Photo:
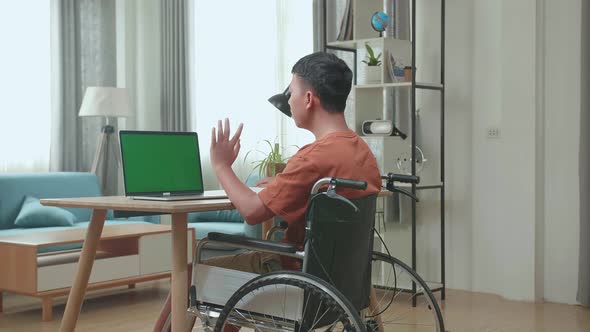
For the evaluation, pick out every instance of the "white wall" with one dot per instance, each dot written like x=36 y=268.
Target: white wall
x=459 y=133
x=504 y=168
x=562 y=133
x=515 y=246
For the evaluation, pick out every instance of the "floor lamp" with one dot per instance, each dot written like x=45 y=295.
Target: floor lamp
x=108 y=102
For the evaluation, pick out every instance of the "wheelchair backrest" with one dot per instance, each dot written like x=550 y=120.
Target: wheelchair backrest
x=339 y=245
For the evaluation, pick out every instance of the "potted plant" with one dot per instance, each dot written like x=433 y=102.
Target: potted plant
x=372 y=70
x=273 y=163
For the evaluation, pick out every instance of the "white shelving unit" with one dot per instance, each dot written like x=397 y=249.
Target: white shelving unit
x=381 y=100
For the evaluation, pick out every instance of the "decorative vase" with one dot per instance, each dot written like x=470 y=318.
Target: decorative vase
x=408 y=74
x=370 y=75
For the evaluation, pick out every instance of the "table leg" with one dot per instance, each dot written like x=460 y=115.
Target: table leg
x=78 y=289
x=1 y=308
x=179 y=272
x=47 y=309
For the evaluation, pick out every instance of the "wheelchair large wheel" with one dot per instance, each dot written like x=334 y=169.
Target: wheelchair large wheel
x=289 y=301
x=392 y=309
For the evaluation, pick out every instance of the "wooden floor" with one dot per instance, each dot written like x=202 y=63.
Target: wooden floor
x=135 y=310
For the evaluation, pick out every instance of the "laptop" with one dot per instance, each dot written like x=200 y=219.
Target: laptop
x=163 y=166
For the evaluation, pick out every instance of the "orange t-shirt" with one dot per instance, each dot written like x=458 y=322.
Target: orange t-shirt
x=339 y=154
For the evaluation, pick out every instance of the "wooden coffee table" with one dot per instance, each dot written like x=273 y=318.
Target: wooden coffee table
x=126 y=254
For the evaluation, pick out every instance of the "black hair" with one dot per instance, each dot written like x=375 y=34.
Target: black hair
x=328 y=76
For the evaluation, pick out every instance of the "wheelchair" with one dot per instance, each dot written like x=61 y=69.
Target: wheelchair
x=344 y=285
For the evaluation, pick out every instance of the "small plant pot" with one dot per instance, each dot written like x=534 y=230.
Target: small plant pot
x=275 y=168
x=408 y=74
x=370 y=75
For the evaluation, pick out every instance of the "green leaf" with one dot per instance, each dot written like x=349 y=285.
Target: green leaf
x=370 y=51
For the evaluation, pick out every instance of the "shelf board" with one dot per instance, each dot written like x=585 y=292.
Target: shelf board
x=354 y=43
x=429 y=186
x=409 y=185
x=384 y=85
x=429 y=86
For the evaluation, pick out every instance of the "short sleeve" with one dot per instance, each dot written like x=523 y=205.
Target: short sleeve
x=288 y=196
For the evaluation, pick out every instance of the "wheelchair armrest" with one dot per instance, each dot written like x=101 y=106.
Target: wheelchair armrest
x=287 y=248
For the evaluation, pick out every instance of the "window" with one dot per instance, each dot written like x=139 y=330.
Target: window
x=25 y=85
x=243 y=52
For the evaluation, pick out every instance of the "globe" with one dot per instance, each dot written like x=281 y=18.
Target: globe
x=379 y=21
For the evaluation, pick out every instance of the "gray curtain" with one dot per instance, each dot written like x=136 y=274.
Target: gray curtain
x=175 y=103
x=83 y=43
x=584 y=272
x=318 y=26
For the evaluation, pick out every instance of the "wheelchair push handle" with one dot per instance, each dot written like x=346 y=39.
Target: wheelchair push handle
x=346 y=183
x=338 y=183
x=392 y=178
x=334 y=183
x=401 y=178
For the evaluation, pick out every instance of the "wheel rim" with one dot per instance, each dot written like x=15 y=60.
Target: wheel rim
x=289 y=302
x=394 y=311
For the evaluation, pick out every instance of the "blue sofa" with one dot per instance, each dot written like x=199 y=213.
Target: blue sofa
x=15 y=187
x=224 y=221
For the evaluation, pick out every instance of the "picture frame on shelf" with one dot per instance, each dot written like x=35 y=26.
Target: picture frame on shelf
x=395 y=67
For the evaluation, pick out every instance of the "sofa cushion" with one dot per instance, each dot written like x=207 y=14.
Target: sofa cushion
x=15 y=186
x=33 y=214
x=222 y=215
x=219 y=215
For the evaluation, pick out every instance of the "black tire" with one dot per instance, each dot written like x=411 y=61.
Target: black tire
x=332 y=309
x=394 y=299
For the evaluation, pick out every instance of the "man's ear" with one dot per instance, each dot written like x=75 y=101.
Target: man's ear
x=310 y=99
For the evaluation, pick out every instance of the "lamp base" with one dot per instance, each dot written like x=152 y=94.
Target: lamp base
x=108 y=129
x=104 y=138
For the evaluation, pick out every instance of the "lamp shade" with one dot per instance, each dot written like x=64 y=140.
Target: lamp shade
x=281 y=101
x=105 y=101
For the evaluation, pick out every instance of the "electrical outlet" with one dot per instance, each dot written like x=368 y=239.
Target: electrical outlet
x=493 y=132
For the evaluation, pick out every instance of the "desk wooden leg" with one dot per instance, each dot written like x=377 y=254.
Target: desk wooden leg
x=1 y=308
x=47 y=309
x=78 y=290
x=179 y=272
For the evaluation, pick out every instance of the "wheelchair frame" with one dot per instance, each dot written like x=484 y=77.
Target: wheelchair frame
x=209 y=312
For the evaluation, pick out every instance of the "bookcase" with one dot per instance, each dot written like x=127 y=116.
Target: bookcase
x=394 y=97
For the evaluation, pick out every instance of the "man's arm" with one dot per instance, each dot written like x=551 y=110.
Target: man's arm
x=243 y=198
x=224 y=152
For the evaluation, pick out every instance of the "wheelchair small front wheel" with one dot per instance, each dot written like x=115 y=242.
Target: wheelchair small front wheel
x=396 y=287
x=289 y=301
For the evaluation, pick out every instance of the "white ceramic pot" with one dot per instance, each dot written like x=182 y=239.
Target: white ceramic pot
x=370 y=75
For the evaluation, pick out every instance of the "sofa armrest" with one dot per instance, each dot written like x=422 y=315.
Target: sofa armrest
x=253 y=231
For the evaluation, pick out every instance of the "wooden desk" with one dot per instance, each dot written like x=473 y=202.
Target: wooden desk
x=179 y=211
x=100 y=205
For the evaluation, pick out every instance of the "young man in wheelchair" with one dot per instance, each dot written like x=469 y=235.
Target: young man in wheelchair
x=318 y=91
x=338 y=258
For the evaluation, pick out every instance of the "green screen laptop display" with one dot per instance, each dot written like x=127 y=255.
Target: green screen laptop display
x=160 y=163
